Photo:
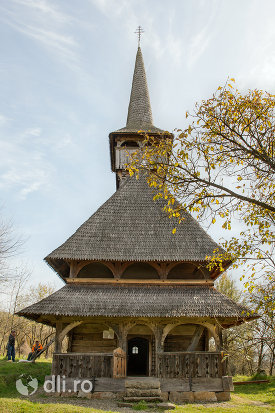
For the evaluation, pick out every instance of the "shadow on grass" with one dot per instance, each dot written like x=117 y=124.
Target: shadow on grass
x=263 y=392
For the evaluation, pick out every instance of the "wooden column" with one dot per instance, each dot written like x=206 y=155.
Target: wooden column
x=122 y=337
x=159 y=345
x=58 y=329
x=220 y=338
x=207 y=338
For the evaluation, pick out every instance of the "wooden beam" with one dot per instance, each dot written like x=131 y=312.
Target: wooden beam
x=67 y=329
x=137 y=281
x=196 y=338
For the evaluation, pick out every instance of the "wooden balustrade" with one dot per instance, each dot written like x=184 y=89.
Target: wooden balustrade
x=190 y=364
x=83 y=365
x=87 y=365
x=169 y=364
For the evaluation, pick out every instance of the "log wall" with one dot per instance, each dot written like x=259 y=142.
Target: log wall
x=88 y=338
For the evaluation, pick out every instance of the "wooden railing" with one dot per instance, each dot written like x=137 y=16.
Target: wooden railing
x=87 y=365
x=190 y=364
x=83 y=365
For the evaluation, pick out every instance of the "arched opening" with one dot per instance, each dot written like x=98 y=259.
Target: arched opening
x=140 y=351
x=181 y=337
x=141 y=271
x=185 y=271
x=95 y=270
x=138 y=356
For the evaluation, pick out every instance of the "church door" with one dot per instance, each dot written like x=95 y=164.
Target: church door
x=138 y=357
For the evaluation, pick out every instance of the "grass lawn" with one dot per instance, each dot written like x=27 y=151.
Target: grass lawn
x=255 y=398
x=264 y=392
x=25 y=406
x=10 y=372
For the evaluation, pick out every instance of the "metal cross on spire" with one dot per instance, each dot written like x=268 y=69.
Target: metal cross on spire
x=139 y=32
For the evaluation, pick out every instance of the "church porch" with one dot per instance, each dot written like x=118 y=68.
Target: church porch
x=175 y=353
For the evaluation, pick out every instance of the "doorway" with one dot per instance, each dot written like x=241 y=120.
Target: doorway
x=138 y=356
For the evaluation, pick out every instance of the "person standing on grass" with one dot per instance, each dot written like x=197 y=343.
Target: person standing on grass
x=10 y=346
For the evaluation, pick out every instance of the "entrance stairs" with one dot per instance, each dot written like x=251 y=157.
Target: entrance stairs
x=142 y=388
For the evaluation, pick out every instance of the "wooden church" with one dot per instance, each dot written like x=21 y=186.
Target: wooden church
x=138 y=300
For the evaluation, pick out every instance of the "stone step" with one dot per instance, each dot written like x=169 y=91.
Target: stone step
x=139 y=399
x=143 y=383
x=142 y=392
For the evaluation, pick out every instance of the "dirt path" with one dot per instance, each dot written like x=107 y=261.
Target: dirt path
x=112 y=405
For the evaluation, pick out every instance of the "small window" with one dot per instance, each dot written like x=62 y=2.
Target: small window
x=135 y=350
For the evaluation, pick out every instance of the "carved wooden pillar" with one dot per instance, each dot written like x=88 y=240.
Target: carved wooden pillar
x=207 y=338
x=123 y=337
x=70 y=341
x=220 y=338
x=58 y=329
x=159 y=345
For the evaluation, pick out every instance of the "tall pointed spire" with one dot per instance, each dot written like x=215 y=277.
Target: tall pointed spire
x=139 y=111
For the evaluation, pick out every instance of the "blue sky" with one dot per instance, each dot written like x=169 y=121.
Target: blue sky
x=66 y=71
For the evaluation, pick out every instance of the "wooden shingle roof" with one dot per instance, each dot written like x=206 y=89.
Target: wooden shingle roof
x=139 y=110
x=112 y=300
x=131 y=226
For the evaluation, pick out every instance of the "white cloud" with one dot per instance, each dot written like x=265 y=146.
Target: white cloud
x=24 y=169
x=46 y=8
x=3 y=119
x=198 y=45
x=110 y=7
x=46 y=24
x=25 y=178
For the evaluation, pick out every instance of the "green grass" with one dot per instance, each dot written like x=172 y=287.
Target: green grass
x=263 y=392
x=10 y=372
x=24 y=406
x=142 y=405
x=244 y=399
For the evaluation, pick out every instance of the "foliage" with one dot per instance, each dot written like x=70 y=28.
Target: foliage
x=251 y=346
x=222 y=168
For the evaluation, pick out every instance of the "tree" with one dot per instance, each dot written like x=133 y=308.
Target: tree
x=9 y=246
x=27 y=331
x=222 y=168
x=238 y=341
x=251 y=346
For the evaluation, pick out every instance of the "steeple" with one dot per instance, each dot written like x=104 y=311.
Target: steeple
x=139 y=111
x=127 y=140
